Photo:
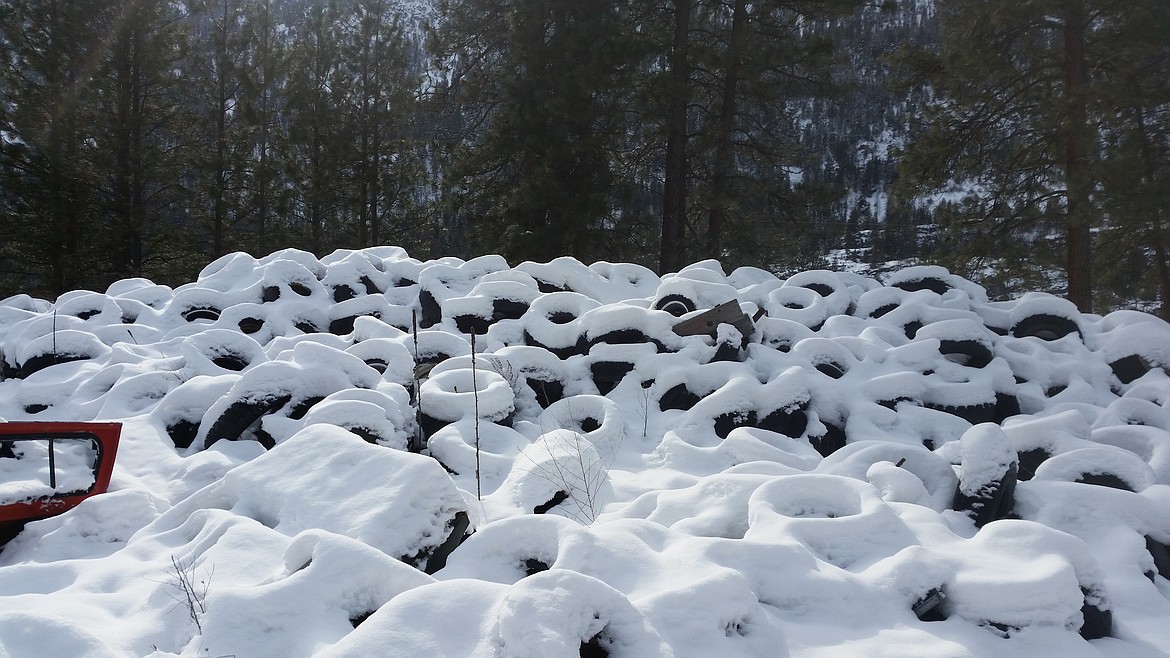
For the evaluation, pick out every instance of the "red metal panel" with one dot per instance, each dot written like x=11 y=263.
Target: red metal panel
x=106 y=435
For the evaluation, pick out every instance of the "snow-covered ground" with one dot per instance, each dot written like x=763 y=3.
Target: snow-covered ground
x=894 y=468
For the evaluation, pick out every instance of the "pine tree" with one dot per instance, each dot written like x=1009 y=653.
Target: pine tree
x=313 y=153
x=1018 y=123
x=48 y=52
x=379 y=104
x=1136 y=168
x=220 y=138
x=262 y=103
x=138 y=136
x=677 y=174
x=761 y=63
x=543 y=85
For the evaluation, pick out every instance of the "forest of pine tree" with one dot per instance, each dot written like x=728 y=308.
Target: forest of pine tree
x=1022 y=143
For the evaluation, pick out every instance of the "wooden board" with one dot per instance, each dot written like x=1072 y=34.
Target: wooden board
x=707 y=322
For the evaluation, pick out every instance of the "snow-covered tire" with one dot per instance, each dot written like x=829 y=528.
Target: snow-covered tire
x=987 y=475
x=450 y=395
x=675 y=304
x=596 y=418
x=552 y=322
x=798 y=304
x=1045 y=317
x=1103 y=465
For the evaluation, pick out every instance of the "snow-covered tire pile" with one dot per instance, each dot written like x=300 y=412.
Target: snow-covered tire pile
x=874 y=467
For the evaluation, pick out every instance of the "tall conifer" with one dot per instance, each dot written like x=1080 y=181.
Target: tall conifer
x=1018 y=126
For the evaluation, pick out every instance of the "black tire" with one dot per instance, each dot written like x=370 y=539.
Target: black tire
x=930 y=283
x=42 y=361
x=1029 y=460
x=250 y=325
x=726 y=422
x=974 y=414
x=607 y=374
x=231 y=361
x=344 y=326
x=675 y=304
x=241 y=415
x=343 y=292
x=1045 y=326
x=508 y=309
x=678 y=397
x=1130 y=368
x=792 y=423
x=1104 y=480
x=432 y=312
x=831 y=441
x=183 y=433
x=472 y=324
x=1006 y=406
x=1161 y=554
x=994 y=500
x=547 y=392
x=970 y=353
x=1098 y=623
x=201 y=313
x=562 y=353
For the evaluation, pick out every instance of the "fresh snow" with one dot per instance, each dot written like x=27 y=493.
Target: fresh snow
x=879 y=468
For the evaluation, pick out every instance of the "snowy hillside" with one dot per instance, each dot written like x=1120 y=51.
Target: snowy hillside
x=843 y=467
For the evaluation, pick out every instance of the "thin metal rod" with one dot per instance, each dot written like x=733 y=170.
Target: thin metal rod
x=52 y=467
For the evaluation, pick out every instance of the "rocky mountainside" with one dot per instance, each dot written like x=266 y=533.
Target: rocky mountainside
x=856 y=135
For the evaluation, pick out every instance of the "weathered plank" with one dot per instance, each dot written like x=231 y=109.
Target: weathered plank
x=707 y=322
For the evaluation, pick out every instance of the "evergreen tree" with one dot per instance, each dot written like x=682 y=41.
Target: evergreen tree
x=220 y=146
x=677 y=173
x=262 y=103
x=544 y=86
x=48 y=52
x=761 y=63
x=137 y=136
x=1017 y=123
x=379 y=104
x=313 y=155
x=1136 y=169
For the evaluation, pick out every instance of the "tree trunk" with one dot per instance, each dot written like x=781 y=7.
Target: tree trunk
x=724 y=165
x=374 y=183
x=674 y=203
x=263 y=175
x=1158 y=228
x=1163 y=270
x=120 y=201
x=136 y=238
x=219 y=203
x=1079 y=225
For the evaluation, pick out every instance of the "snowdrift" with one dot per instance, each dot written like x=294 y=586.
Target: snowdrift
x=368 y=454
